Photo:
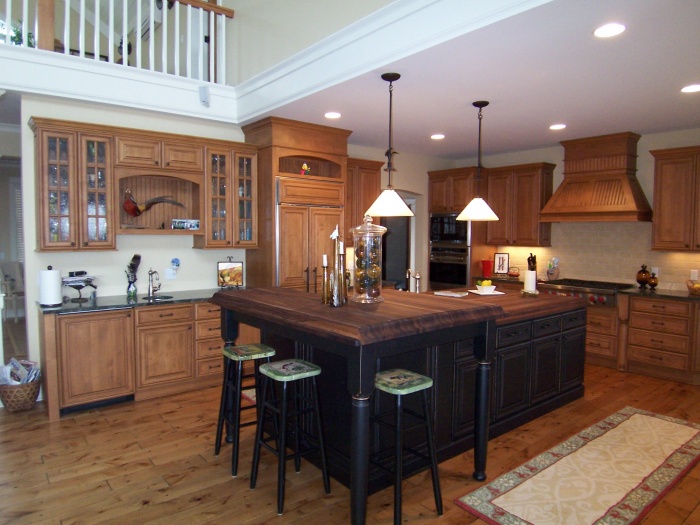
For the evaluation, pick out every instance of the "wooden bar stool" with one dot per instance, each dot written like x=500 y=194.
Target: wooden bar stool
x=231 y=390
x=400 y=383
x=304 y=401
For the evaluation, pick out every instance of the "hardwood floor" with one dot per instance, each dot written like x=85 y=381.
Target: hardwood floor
x=153 y=462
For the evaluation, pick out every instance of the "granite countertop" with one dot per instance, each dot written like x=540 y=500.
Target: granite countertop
x=120 y=302
x=682 y=295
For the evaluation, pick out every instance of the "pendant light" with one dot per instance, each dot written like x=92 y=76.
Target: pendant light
x=389 y=203
x=477 y=209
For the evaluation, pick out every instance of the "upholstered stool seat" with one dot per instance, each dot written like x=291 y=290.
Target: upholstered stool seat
x=400 y=382
x=301 y=402
x=230 y=406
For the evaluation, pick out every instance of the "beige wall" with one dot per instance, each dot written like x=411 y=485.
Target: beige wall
x=273 y=31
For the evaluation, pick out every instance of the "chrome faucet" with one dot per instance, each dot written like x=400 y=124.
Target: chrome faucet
x=416 y=275
x=153 y=282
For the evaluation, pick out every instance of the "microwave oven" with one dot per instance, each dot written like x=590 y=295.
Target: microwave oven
x=444 y=227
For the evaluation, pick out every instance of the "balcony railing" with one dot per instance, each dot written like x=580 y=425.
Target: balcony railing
x=178 y=37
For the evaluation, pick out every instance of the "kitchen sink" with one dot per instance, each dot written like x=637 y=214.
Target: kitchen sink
x=157 y=298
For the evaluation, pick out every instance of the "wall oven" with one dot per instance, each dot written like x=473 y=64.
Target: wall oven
x=449 y=251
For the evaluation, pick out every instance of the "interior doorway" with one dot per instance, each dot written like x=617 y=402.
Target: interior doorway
x=397 y=248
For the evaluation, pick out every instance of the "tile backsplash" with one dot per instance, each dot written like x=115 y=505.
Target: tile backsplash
x=607 y=251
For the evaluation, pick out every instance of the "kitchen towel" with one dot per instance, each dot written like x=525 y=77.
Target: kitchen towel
x=50 y=285
x=530 y=280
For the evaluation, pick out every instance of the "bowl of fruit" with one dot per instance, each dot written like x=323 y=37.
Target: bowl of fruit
x=693 y=287
x=485 y=286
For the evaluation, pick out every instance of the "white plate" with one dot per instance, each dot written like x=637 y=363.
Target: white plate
x=495 y=292
x=452 y=294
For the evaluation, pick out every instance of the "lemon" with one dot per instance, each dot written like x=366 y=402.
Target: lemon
x=487 y=282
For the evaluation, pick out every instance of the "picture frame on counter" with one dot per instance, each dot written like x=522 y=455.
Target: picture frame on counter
x=501 y=263
x=229 y=274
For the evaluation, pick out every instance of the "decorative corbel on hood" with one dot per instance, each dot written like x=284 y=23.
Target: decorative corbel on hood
x=600 y=182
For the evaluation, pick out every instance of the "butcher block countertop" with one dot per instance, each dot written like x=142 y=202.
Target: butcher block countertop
x=400 y=314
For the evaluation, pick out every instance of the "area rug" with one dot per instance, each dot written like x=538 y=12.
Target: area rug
x=611 y=473
x=249 y=395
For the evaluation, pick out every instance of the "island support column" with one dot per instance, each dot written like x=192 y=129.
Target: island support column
x=359 y=459
x=485 y=349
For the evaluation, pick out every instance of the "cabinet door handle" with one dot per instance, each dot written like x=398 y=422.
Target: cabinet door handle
x=155 y=162
x=306 y=271
x=315 y=280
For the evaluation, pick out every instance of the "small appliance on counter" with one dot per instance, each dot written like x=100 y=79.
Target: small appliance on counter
x=78 y=281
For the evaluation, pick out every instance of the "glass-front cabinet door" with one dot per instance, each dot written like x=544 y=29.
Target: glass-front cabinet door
x=96 y=193
x=218 y=202
x=58 y=221
x=245 y=225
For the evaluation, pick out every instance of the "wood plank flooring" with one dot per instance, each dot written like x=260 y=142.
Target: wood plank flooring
x=153 y=462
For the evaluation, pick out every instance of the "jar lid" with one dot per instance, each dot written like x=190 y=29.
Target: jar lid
x=368 y=228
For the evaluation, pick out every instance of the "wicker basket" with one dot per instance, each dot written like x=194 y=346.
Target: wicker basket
x=20 y=397
x=691 y=287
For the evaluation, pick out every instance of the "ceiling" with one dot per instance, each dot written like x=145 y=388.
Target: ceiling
x=537 y=68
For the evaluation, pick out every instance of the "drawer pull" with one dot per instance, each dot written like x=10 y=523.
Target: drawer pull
x=166 y=315
x=594 y=323
x=659 y=306
x=660 y=341
x=513 y=334
x=590 y=343
x=214 y=329
x=659 y=323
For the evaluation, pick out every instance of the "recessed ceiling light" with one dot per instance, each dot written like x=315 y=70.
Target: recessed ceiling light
x=557 y=126
x=692 y=88
x=609 y=30
x=332 y=114
x=437 y=136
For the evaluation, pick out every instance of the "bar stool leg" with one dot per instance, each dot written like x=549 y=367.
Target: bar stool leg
x=281 y=449
x=321 y=442
x=297 y=443
x=258 y=434
x=236 y=418
x=399 y=460
x=222 y=406
x=433 y=455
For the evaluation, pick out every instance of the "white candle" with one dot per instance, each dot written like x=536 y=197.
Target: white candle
x=530 y=280
x=325 y=260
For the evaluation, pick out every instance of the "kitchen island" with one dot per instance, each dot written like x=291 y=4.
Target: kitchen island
x=452 y=340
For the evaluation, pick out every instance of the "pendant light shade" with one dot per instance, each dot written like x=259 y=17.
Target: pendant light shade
x=389 y=203
x=477 y=209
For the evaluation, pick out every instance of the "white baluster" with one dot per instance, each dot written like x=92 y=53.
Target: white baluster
x=176 y=40
x=189 y=41
x=137 y=33
x=164 y=39
x=96 y=30
x=66 y=28
x=81 y=37
x=151 y=36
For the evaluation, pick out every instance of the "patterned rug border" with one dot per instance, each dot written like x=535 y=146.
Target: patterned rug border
x=634 y=506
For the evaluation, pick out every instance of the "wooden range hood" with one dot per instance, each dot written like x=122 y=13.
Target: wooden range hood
x=600 y=182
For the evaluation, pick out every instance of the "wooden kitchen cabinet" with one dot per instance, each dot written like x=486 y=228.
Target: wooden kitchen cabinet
x=147 y=151
x=660 y=339
x=164 y=349
x=517 y=194
x=676 y=218
x=451 y=190
x=231 y=200
x=362 y=189
x=208 y=339
x=95 y=357
x=601 y=336
x=75 y=183
x=302 y=173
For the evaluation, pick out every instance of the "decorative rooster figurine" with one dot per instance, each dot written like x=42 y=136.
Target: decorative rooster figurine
x=135 y=209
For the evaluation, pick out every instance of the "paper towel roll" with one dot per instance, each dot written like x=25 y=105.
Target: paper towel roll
x=50 y=288
x=530 y=280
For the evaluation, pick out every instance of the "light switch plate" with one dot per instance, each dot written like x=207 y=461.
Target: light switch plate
x=655 y=270
x=693 y=275
x=170 y=273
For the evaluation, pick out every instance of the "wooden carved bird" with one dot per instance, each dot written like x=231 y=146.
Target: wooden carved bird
x=135 y=209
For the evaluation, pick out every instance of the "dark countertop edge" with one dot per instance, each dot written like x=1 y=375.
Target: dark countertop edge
x=120 y=302
x=680 y=295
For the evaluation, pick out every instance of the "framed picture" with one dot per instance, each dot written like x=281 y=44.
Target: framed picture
x=229 y=274
x=501 y=263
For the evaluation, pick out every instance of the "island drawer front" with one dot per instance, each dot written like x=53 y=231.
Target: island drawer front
x=207 y=311
x=547 y=326
x=601 y=344
x=654 y=340
x=575 y=319
x=208 y=329
x=601 y=322
x=464 y=348
x=207 y=367
x=661 y=323
x=513 y=333
x=657 y=357
x=659 y=306
x=163 y=314
x=210 y=348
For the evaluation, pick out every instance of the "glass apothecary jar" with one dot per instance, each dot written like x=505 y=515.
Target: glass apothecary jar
x=367 y=243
